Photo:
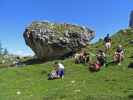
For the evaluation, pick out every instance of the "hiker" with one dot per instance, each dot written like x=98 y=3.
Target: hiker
x=100 y=61
x=83 y=57
x=119 y=55
x=86 y=57
x=101 y=57
x=95 y=66
x=54 y=73
x=107 y=41
x=77 y=58
x=60 y=71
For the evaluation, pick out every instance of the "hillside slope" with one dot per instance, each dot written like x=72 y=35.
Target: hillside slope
x=110 y=83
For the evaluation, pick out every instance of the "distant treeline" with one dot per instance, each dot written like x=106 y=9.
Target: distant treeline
x=3 y=51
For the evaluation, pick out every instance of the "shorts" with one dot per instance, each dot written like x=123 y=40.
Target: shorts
x=107 y=45
x=61 y=72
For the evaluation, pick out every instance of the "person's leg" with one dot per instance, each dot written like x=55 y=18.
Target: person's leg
x=106 y=47
x=86 y=59
x=58 y=73
x=97 y=67
x=83 y=60
x=120 y=59
x=109 y=45
x=50 y=77
x=79 y=60
x=62 y=73
x=76 y=61
x=105 y=61
x=91 y=67
x=115 y=58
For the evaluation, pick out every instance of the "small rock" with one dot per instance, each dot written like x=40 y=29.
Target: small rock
x=73 y=82
x=76 y=90
x=18 y=92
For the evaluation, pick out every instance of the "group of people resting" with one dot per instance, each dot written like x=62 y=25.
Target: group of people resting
x=84 y=58
x=101 y=58
x=119 y=53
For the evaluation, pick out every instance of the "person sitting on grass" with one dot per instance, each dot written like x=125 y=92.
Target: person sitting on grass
x=60 y=71
x=95 y=66
x=77 y=58
x=119 y=55
x=100 y=61
x=83 y=57
x=86 y=57
x=54 y=73
x=101 y=57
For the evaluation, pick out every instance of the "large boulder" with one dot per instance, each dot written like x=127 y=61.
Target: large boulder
x=53 y=40
x=131 y=20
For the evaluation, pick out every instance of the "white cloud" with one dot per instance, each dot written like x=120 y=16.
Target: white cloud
x=23 y=53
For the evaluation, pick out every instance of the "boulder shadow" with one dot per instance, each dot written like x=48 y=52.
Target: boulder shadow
x=33 y=61
x=130 y=65
x=130 y=97
x=110 y=63
x=130 y=57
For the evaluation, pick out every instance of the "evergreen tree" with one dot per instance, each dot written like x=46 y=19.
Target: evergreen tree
x=5 y=52
x=1 y=49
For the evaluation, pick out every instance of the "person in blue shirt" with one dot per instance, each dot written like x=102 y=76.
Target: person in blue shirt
x=107 y=42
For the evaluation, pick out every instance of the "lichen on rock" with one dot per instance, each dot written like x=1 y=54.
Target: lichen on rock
x=53 y=40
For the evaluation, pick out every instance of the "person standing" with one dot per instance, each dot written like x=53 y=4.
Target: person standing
x=107 y=41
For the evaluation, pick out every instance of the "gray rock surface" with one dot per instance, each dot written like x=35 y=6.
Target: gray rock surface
x=131 y=20
x=53 y=40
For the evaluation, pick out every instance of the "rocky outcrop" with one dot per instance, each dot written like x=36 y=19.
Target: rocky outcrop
x=54 y=40
x=131 y=20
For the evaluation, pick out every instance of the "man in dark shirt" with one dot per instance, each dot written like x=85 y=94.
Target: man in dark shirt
x=107 y=41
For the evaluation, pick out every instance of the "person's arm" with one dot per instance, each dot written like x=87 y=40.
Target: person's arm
x=122 y=52
x=116 y=53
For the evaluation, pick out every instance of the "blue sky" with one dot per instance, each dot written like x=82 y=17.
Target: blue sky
x=103 y=16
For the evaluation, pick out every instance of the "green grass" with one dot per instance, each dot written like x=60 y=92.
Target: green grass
x=110 y=83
